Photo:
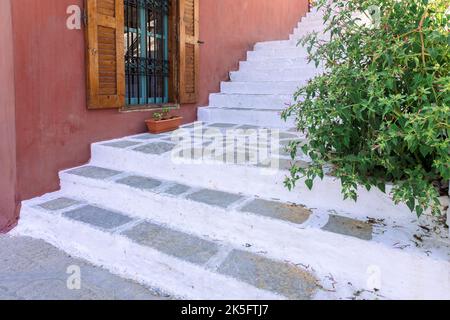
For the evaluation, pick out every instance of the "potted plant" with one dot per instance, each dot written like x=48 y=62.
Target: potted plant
x=163 y=122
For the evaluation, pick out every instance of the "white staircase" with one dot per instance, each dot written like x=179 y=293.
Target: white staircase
x=265 y=83
x=172 y=211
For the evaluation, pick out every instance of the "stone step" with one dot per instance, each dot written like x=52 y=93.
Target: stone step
x=278 y=65
x=310 y=23
x=264 y=118
x=182 y=264
x=134 y=194
x=295 y=52
x=275 y=64
x=172 y=202
x=261 y=87
x=189 y=249
x=288 y=74
x=297 y=37
x=279 y=45
x=301 y=32
x=251 y=101
x=134 y=154
x=312 y=19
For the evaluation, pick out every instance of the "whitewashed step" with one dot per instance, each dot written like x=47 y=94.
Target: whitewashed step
x=252 y=101
x=310 y=23
x=312 y=19
x=301 y=32
x=281 y=63
x=276 y=65
x=278 y=45
x=270 y=54
x=266 y=182
x=287 y=74
x=221 y=216
x=264 y=118
x=178 y=263
x=261 y=87
x=297 y=37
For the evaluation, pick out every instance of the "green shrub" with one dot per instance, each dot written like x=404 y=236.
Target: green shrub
x=380 y=112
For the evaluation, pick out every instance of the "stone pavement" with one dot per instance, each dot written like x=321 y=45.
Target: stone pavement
x=32 y=269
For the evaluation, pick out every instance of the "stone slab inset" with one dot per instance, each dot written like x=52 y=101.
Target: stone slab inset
x=248 y=127
x=215 y=198
x=156 y=148
x=278 y=210
x=149 y=136
x=177 y=189
x=283 y=278
x=94 y=172
x=98 y=217
x=192 y=125
x=58 y=204
x=172 y=242
x=349 y=227
x=139 y=182
x=121 y=144
x=222 y=125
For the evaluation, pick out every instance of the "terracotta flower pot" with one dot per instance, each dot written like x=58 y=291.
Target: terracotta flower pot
x=160 y=126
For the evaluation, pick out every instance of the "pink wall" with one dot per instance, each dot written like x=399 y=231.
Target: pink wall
x=53 y=127
x=8 y=205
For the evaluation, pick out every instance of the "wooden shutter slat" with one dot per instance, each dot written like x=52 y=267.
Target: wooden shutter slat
x=105 y=54
x=189 y=50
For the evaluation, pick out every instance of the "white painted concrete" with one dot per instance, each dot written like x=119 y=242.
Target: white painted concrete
x=260 y=87
x=206 y=220
x=287 y=74
x=273 y=69
x=253 y=101
x=264 y=118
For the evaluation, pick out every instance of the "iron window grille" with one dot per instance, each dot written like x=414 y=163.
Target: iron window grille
x=146 y=51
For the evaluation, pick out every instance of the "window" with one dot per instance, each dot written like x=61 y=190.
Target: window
x=146 y=51
x=141 y=52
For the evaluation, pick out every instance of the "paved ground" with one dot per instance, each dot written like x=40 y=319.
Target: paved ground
x=32 y=269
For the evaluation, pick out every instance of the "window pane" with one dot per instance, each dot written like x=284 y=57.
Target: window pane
x=146 y=51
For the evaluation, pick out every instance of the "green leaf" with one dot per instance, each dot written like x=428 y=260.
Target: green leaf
x=309 y=183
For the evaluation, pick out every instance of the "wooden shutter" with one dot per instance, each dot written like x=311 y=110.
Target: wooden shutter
x=105 y=54
x=189 y=50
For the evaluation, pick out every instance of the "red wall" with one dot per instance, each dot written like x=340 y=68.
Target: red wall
x=8 y=203
x=53 y=127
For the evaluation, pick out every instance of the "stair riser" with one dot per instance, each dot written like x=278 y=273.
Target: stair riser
x=270 y=119
x=270 y=54
x=250 y=101
x=262 y=87
x=289 y=75
x=314 y=19
x=130 y=260
x=309 y=23
x=238 y=229
x=274 y=65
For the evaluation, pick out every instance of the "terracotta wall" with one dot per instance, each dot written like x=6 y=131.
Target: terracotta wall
x=53 y=127
x=8 y=204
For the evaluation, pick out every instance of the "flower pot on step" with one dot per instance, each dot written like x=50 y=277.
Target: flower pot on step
x=160 y=126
